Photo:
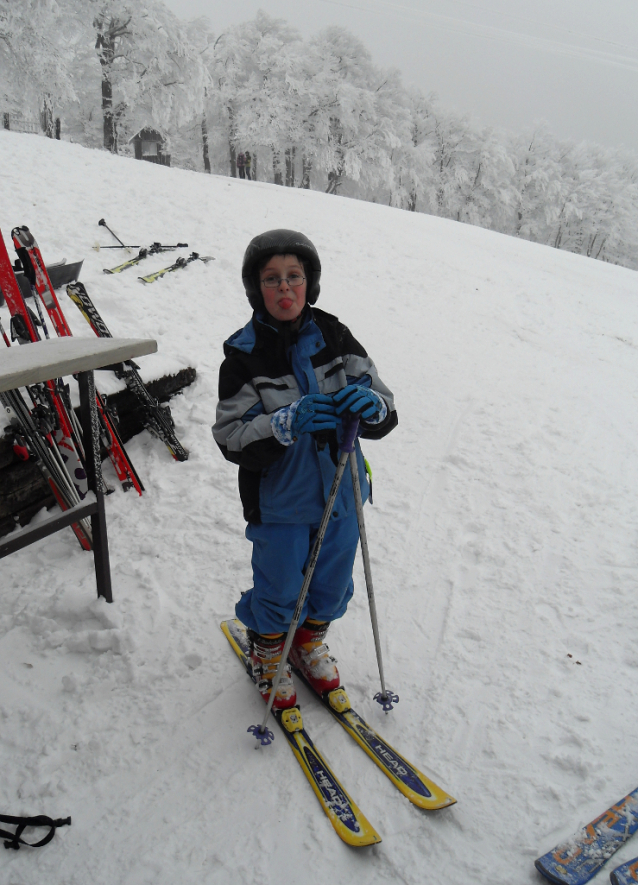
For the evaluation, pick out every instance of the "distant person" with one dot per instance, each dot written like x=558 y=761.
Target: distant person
x=289 y=377
x=241 y=164
x=249 y=161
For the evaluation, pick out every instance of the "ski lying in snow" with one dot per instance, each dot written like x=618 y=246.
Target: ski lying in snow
x=414 y=785
x=157 y=418
x=349 y=823
x=144 y=253
x=181 y=262
x=575 y=861
x=625 y=874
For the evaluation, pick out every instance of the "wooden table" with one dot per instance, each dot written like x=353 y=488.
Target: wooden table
x=41 y=361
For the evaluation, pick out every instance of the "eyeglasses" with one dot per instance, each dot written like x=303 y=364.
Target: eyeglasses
x=294 y=280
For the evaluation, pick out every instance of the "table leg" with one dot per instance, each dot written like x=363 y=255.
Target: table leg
x=91 y=432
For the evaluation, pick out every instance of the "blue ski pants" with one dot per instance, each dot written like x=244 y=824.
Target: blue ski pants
x=280 y=557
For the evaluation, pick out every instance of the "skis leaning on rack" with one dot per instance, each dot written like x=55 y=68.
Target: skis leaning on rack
x=157 y=418
x=180 y=263
x=48 y=431
x=41 y=289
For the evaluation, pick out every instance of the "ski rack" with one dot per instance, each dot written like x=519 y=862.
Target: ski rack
x=40 y=361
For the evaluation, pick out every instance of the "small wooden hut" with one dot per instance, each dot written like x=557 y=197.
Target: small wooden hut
x=148 y=145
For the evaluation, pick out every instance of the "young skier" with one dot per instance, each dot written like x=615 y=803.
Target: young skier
x=287 y=380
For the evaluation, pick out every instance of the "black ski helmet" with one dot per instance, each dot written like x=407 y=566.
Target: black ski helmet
x=279 y=242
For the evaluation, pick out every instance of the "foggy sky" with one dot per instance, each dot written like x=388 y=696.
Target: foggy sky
x=508 y=63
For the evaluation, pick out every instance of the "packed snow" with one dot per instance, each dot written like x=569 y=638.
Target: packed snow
x=503 y=536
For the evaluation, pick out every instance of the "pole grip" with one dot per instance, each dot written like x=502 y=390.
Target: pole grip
x=350 y=425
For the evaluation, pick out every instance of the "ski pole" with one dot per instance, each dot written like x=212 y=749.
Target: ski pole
x=103 y=223
x=151 y=250
x=4 y=335
x=97 y=247
x=261 y=732
x=36 y=298
x=384 y=697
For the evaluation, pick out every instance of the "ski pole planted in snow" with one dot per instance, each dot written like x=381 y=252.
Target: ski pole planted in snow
x=384 y=697
x=261 y=732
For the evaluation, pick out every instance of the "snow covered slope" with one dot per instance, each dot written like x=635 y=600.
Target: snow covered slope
x=504 y=540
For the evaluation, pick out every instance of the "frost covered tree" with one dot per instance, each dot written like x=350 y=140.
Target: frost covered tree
x=537 y=183
x=36 y=59
x=202 y=39
x=357 y=119
x=321 y=112
x=596 y=213
x=317 y=114
x=252 y=66
x=150 y=71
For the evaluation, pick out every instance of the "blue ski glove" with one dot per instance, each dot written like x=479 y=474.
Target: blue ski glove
x=360 y=401
x=307 y=415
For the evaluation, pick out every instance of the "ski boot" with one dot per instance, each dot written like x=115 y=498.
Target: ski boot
x=265 y=655
x=310 y=656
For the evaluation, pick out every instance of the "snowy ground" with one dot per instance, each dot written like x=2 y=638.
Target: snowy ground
x=504 y=541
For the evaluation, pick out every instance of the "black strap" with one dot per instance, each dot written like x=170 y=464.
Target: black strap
x=14 y=840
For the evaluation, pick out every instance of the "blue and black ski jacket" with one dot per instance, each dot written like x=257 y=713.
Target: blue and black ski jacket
x=268 y=366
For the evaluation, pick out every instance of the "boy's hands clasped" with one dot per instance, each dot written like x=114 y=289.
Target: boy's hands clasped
x=359 y=401
x=318 y=411
x=314 y=412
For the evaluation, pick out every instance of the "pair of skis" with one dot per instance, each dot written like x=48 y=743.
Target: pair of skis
x=576 y=861
x=177 y=265
x=157 y=418
x=349 y=822
x=152 y=250
x=155 y=249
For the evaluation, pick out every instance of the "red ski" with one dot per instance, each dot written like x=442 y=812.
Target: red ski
x=67 y=493
x=36 y=272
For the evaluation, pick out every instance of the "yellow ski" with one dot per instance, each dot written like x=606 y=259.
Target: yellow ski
x=344 y=815
x=181 y=262
x=419 y=789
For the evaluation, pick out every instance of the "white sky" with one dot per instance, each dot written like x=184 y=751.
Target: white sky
x=508 y=63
